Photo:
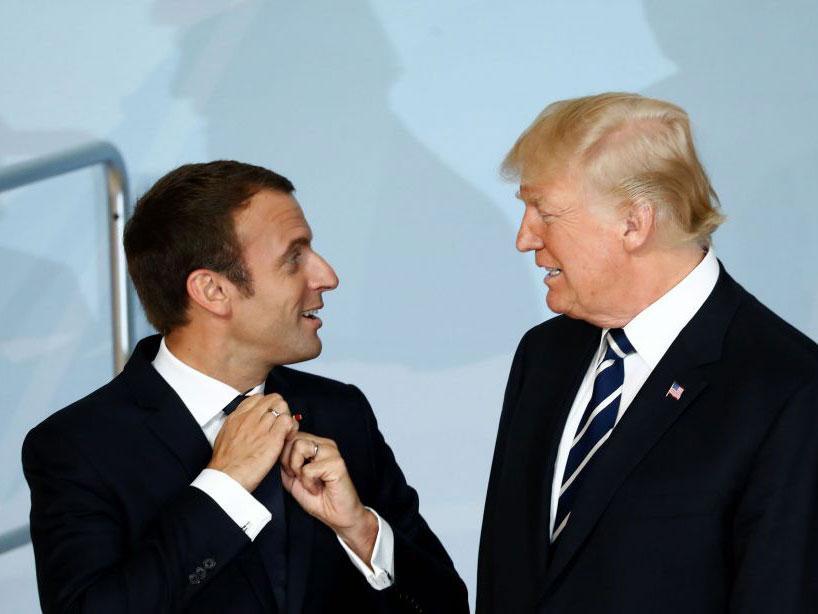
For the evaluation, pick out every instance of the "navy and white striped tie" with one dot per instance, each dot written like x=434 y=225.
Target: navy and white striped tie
x=597 y=422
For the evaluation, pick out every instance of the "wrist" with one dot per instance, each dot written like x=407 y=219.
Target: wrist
x=232 y=473
x=361 y=535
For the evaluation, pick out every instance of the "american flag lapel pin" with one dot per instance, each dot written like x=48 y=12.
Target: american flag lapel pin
x=675 y=391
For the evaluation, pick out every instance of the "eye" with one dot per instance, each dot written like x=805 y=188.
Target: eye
x=294 y=257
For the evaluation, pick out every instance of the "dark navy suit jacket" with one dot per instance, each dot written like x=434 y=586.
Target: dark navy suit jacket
x=116 y=526
x=704 y=504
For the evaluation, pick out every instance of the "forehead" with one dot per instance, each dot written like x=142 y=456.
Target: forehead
x=271 y=217
x=542 y=190
x=570 y=195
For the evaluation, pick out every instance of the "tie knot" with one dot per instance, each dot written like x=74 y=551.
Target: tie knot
x=232 y=405
x=619 y=344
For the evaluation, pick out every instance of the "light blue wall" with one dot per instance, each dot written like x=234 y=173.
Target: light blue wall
x=391 y=119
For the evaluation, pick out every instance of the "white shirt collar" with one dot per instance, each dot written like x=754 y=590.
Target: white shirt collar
x=655 y=328
x=203 y=395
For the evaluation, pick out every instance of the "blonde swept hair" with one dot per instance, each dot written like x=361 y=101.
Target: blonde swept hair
x=636 y=148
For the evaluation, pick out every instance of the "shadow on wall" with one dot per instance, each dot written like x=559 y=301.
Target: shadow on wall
x=51 y=347
x=30 y=144
x=429 y=276
x=746 y=76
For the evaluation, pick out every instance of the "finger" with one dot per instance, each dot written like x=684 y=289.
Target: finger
x=274 y=411
x=278 y=432
x=267 y=420
x=247 y=405
x=296 y=456
x=293 y=431
x=327 y=444
x=310 y=480
x=274 y=398
x=287 y=481
x=292 y=437
x=303 y=450
x=284 y=458
x=315 y=475
x=269 y=407
x=287 y=451
x=277 y=406
x=321 y=441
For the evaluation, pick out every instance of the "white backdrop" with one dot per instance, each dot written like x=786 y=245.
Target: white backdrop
x=391 y=119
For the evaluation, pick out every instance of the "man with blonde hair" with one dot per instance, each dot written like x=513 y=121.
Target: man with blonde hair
x=658 y=445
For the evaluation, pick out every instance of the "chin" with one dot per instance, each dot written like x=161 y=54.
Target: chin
x=307 y=353
x=563 y=308
x=554 y=304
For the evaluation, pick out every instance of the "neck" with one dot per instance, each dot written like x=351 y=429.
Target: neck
x=216 y=357
x=650 y=277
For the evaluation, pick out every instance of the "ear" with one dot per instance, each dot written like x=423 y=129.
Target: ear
x=208 y=290
x=640 y=224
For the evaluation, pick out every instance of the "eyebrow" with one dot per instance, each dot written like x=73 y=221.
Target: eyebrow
x=302 y=241
x=534 y=200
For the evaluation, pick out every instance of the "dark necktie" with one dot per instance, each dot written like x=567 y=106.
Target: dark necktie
x=597 y=422
x=271 y=542
x=232 y=405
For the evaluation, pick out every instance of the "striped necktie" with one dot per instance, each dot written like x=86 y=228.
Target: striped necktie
x=597 y=422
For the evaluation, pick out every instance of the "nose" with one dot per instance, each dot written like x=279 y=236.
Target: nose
x=527 y=237
x=324 y=277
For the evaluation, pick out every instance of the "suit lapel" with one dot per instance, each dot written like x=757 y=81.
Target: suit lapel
x=172 y=423
x=649 y=416
x=521 y=502
x=169 y=419
x=576 y=365
x=651 y=413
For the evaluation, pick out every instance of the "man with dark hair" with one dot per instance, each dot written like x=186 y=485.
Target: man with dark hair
x=188 y=483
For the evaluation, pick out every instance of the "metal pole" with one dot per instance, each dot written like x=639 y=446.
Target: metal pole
x=25 y=173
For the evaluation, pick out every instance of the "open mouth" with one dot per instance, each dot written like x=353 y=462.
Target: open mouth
x=552 y=271
x=310 y=314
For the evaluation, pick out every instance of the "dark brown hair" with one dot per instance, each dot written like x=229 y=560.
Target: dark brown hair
x=185 y=222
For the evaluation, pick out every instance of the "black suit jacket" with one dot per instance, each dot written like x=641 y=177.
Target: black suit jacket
x=704 y=504
x=116 y=526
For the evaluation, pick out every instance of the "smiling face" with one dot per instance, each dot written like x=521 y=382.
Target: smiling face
x=576 y=235
x=278 y=322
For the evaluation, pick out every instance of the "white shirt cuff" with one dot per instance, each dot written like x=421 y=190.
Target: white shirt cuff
x=240 y=505
x=382 y=574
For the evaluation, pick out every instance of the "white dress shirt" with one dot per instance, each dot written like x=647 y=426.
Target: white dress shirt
x=651 y=333
x=205 y=397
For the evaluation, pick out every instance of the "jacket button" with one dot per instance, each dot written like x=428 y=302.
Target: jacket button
x=209 y=563
x=194 y=579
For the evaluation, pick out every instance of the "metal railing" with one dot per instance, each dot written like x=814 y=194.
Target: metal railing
x=100 y=153
x=106 y=154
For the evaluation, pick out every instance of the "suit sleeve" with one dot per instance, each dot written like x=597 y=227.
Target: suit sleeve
x=776 y=523
x=425 y=578
x=485 y=562
x=87 y=563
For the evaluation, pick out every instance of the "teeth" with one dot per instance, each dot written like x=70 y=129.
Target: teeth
x=552 y=271
x=310 y=313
